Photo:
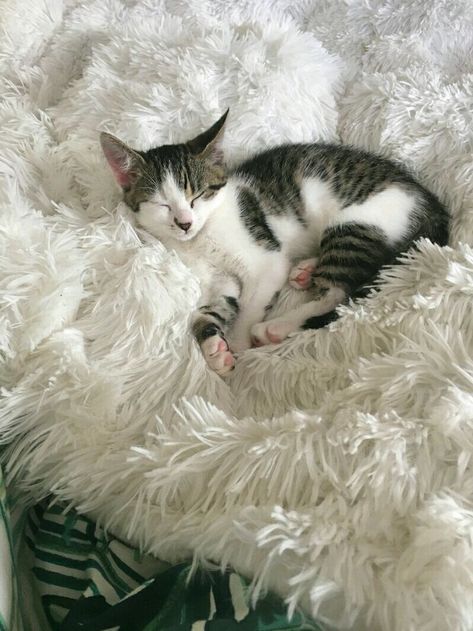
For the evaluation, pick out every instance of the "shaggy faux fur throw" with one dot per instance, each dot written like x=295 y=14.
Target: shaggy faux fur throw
x=336 y=468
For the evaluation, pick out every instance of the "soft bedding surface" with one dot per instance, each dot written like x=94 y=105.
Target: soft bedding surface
x=336 y=468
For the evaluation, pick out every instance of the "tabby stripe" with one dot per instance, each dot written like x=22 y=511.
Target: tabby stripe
x=215 y=315
x=184 y=177
x=233 y=302
x=360 y=187
x=332 y=277
x=350 y=242
x=360 y=240
x=352 y=258
x=255 y=220
x=351 y=271
x=190 y=173
x=339 y=276
x=360 y=231
x=203 y=330
x=323 y=270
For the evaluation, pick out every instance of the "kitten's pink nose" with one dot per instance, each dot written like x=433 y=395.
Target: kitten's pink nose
x=183 y=226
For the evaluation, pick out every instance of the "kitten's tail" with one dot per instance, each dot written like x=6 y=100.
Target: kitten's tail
x=317 y=322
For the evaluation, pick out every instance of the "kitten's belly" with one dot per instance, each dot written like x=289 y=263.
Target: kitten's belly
x=297 y=241
x=300 y=237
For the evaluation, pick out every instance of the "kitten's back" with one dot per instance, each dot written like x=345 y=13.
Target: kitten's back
x=353 y=175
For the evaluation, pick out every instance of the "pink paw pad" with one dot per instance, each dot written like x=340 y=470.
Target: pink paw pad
x=303 y=278
x=301 y=275
x=274 y=336
x=217 y=355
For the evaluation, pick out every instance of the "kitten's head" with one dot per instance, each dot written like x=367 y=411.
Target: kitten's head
x=173 y=188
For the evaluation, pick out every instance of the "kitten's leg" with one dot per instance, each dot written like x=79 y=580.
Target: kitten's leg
x=276 y=330
x=255 y=300
x=351 y=255
x=300 y=277
x=251 y=313
x=209 y=327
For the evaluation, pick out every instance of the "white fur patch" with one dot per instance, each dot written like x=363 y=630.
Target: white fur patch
x=291 y=233
x=321 y=206
x=389 y=210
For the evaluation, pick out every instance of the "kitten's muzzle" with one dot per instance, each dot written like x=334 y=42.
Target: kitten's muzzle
x=183 y=226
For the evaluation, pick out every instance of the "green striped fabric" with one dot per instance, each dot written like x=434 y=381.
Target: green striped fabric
x=74 y=576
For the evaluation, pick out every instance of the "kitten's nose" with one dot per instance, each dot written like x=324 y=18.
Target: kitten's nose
x=183 y=226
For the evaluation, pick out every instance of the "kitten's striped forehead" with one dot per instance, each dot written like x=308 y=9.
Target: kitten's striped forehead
x=175 y=163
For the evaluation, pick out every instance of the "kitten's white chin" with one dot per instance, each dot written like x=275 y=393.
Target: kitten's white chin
x=186 y=236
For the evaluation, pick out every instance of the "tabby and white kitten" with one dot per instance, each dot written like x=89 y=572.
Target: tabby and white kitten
x=325 y=217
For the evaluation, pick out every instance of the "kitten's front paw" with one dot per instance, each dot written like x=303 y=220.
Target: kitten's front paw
x=217 y=355
x=300 y=276
x=272 y=332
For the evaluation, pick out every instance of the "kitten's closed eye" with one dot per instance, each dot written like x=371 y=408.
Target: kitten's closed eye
x=207 y=193
x=216 y=187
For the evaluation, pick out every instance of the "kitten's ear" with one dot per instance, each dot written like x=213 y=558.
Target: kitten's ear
x=125 y=163
x=209 y=143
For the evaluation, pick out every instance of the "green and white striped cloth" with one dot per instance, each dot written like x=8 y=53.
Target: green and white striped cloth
x=61 y=572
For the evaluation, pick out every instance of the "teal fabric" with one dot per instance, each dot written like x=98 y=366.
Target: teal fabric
x=76 y=577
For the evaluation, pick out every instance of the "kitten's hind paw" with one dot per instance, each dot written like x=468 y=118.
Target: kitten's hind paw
x=300 y=276
x=217 y=355
x=271 y=332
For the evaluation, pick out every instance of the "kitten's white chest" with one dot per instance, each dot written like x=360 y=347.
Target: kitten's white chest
x=224 y=254
x=229 y=241
x=214 y=258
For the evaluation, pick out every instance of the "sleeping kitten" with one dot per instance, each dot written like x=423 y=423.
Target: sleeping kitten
x=341 y=212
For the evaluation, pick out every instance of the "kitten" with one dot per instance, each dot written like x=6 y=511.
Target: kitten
x=341 y=212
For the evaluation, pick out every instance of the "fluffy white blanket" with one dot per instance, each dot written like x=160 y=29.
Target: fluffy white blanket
x=336 y=468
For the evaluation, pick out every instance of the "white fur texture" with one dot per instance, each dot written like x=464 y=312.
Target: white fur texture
x=337 y=468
